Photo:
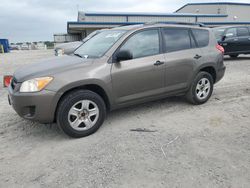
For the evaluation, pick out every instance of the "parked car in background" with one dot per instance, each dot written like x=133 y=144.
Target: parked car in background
x=67 y=48
x=234 y=39
x=25 y=46
x=116 y=68
x=14 y=47
x=70 y=47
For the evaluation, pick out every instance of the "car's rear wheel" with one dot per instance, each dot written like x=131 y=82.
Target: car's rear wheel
x=234 y=55
x=201 y=89
x=81 y=113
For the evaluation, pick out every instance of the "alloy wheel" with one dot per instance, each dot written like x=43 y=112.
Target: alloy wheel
x=83 y=115
x=202 y=88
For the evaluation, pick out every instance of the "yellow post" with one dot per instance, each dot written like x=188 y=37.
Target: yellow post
x=1 y=49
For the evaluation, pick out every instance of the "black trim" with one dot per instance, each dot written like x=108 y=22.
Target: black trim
x=193 y=37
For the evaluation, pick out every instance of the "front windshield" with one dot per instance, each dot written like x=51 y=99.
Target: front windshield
x=91 y=35
x=98 y=45
x=218 y=33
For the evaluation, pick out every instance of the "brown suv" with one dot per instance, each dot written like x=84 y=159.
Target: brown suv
x=116 y=68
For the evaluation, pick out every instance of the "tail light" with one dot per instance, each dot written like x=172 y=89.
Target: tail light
x=220 y=48
x=7 y=80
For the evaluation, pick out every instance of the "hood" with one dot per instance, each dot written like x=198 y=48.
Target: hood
x=49 y=67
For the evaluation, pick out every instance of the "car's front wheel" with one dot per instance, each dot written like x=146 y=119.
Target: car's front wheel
x=81 y=113
x=201 y=89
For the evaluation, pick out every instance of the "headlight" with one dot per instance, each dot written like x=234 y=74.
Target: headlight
x=36 y=84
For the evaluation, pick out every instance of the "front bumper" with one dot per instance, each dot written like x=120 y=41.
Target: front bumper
x=38 y=106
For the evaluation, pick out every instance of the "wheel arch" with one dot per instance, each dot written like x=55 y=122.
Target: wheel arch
x=209 y=68
x=94 y=87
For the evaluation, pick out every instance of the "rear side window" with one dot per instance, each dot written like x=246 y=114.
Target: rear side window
x=242 y=31
x=201 y=36
x=176 y=39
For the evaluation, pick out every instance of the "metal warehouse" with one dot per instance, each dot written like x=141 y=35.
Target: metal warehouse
x=210 y=14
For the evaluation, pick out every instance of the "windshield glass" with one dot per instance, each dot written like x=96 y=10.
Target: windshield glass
x=218 y=33
x=91 y=35
x=99 y=44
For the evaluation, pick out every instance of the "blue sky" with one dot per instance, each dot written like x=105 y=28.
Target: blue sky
x=35 y=20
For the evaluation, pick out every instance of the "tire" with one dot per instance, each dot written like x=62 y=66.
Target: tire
x=201 y=89
x=81 y=113
x=234 y=55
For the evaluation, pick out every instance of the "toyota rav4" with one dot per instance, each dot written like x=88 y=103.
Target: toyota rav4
x=116 y=68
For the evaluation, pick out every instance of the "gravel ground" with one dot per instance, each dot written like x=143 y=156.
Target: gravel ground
x=185 y=146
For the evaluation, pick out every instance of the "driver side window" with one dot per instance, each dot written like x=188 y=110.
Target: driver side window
x=142 y=44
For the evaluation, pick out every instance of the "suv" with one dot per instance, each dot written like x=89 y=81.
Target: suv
x=234 y=39
x=116 y=68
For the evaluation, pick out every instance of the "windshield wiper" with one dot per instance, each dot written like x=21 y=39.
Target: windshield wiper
x=85 y=56
x=78 y=55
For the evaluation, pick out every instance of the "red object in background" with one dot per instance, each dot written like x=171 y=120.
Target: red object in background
x=220 y=48
x=6 y=80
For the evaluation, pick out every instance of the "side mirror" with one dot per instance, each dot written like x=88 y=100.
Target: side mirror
x=124 y=55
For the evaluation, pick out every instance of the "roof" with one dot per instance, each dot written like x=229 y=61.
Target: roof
x=214 y=3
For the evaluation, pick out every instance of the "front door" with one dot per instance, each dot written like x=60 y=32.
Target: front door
x=142 y=76
x=230 y=42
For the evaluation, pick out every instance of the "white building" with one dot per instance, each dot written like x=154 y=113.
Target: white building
x=235 y=13
x=210 y=14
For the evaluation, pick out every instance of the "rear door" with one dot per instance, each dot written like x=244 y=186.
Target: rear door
x=181 y=56
x=142 y=76
x=243 y=44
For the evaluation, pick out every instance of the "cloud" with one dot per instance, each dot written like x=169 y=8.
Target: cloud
x=35 y=20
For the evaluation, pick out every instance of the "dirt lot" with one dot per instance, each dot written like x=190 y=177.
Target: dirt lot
x=187 y=146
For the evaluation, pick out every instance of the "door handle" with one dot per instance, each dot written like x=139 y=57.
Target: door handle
x=197 y=56
x=157 y=63
x=235 y=39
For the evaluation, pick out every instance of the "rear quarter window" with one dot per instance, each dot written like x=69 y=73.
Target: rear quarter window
x=176 y=39
x=201 y=36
